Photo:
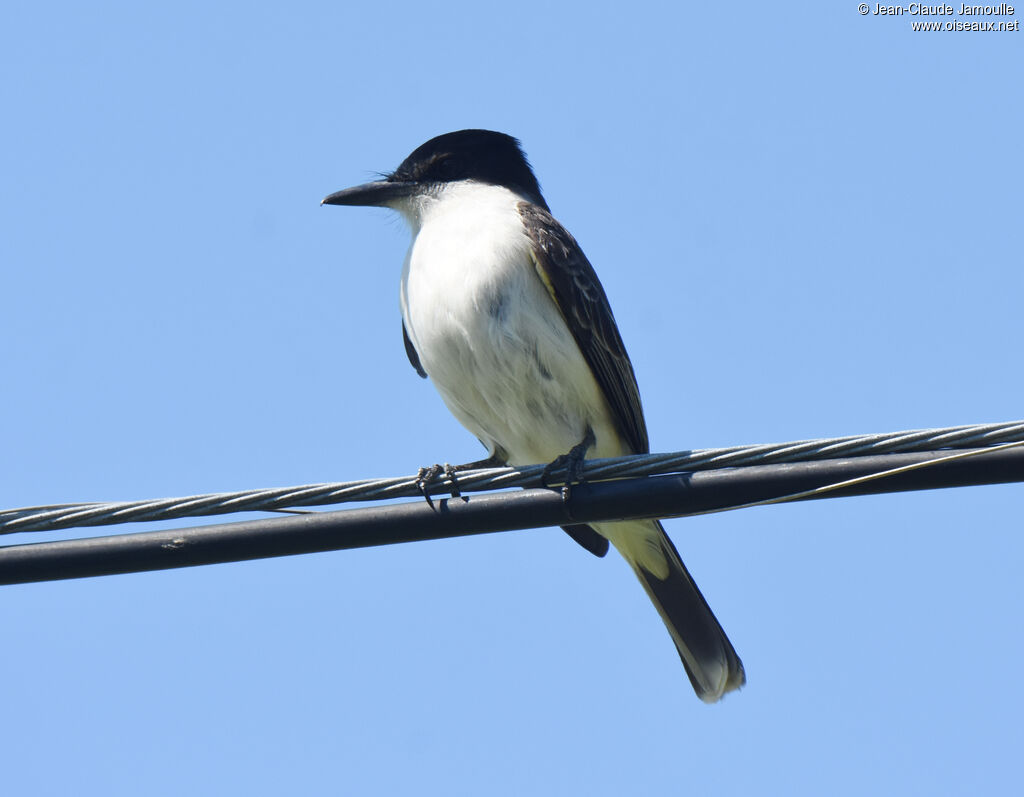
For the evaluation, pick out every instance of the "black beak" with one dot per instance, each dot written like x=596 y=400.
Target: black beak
x=379 y=194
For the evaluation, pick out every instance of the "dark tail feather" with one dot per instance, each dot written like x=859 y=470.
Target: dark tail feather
x=707 y=654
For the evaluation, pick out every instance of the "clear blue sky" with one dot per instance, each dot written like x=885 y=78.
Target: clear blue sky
x=809 y=224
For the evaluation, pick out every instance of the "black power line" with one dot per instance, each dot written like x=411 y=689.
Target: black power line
x=653 y=496
x=61 y=516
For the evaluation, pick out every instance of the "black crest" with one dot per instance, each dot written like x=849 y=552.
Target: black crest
x=482 y=155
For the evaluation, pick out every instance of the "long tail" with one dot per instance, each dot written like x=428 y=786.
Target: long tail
x=707 y=654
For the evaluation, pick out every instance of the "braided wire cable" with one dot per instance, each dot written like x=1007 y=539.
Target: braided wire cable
x=61 y=516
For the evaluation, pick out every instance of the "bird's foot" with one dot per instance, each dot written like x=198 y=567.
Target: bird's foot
x=572 y=461
x=426 y=476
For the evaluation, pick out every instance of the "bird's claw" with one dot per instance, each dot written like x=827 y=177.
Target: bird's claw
x=426 y=476
x=572 y=462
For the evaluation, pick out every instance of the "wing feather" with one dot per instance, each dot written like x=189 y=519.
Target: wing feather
x=577 y=292
x=411 y=353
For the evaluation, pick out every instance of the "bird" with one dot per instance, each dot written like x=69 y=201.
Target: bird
x=503 y=312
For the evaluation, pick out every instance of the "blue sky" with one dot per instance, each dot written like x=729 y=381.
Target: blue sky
x=808 y=222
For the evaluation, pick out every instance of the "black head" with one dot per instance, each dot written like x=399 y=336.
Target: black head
x=481 y=155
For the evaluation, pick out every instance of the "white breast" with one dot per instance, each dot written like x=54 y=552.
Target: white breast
x=488 y=333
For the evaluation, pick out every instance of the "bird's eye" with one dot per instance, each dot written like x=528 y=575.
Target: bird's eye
x=444 y=168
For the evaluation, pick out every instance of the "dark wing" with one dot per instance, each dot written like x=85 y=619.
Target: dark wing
x=410 y=351
x=576 y=290
x=588 y=538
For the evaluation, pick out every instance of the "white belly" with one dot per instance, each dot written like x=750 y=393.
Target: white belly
x=494 y=343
